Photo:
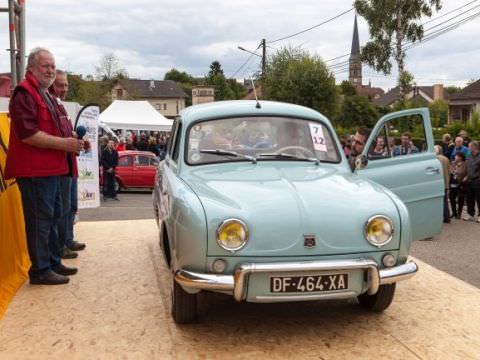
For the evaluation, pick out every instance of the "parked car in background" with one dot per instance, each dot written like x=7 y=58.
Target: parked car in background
x=136 y=169
x=257 y=200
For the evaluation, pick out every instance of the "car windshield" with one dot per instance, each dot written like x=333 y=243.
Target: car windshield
x=260 y=139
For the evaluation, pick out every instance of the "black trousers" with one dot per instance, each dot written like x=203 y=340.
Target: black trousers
x=446 y=210
x=473 y=196
x=457 y=200
x=108 y=184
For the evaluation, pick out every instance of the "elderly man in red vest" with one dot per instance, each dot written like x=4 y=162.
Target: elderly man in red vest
x=39 y=147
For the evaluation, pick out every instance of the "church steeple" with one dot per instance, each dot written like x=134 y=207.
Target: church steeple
x=355 y=65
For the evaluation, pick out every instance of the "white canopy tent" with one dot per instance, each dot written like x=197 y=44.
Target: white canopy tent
x=134 y=115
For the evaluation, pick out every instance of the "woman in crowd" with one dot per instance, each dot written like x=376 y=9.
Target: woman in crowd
x=457 y=191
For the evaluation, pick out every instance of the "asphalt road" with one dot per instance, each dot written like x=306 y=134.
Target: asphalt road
x=456 y=250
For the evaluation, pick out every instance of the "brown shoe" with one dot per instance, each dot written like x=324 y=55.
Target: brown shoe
x=50 y=278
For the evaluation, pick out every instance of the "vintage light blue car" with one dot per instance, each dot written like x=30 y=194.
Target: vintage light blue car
x=257 y=200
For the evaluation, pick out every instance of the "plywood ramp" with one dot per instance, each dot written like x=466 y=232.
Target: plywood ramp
x=116 y=307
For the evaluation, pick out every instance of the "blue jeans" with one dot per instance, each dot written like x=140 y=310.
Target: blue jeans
x=42 y=207
x=68 y=187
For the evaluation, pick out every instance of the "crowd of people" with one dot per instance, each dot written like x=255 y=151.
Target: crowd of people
x=460 y=161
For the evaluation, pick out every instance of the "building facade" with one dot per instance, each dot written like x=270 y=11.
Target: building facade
x=202 y=94
x=164 y=95
x=464 y=104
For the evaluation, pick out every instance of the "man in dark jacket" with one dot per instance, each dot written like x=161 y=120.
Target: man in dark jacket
x=109 y=164
x=473 y=182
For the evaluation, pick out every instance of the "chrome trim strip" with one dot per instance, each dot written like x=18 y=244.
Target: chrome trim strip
x=398 y=273
x=204 y=281
x=306 y=297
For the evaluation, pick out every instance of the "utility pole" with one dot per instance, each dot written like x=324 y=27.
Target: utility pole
x=16 y=24
x=264 y=58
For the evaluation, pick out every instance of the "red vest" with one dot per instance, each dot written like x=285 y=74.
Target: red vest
x=24 y=160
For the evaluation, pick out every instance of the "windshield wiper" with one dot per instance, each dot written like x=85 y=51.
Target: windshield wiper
x=228 y=153
x=289 y=156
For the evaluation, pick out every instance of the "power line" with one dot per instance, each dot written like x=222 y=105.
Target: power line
x=245 y=63
x=447 y=13
x=313 y=27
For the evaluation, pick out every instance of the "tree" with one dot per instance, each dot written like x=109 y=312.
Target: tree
x=216 y=78
x=109 y=68
x=358 y=111
x=179 y=77
x=347 y=89
x=296 y=77
x=439 y=113
x=450 y=90
x=392 y=22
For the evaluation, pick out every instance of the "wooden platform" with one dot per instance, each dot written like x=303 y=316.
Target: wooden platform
x=116 y=307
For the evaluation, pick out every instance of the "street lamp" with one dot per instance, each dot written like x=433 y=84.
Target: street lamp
x=251 y=52
x=263 y=44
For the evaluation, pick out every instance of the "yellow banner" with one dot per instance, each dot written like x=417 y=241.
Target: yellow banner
x=14 y=260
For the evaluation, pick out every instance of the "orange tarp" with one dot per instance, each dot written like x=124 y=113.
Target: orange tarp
x=14 y=260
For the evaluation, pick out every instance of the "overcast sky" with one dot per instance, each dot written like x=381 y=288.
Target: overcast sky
x=150 y=37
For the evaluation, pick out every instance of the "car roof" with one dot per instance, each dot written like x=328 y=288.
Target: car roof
x=241 y=108
x=135 y=152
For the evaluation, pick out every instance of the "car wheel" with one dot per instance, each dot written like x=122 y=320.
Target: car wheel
x=184 y=305
x=379 y=301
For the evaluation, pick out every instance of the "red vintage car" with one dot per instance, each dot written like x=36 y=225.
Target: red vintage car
x=136 y=169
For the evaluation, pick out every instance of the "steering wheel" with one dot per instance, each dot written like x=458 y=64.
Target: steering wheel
x=306 y=152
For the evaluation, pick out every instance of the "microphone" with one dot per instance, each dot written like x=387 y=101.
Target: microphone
x=81 y=131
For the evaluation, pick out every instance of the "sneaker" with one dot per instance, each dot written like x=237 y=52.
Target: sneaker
x=68 y=254
x=50 y=278
x=468 y=218
x=116 y=198
x=478 y=220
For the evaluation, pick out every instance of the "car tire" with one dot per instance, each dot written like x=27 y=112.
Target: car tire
x=184 y=305
x=379 y=301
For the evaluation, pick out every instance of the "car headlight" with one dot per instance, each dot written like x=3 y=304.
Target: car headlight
x=232 y=234
x=378 y=230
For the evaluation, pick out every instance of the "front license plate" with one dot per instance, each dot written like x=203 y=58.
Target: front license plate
x=308 y=283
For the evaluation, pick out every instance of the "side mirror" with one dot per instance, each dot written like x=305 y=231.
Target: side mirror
x=361 y=162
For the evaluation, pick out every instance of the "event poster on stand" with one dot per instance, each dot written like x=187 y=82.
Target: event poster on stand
x=88 y=172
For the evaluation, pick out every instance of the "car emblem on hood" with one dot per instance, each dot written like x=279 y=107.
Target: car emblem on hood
x=309 y=241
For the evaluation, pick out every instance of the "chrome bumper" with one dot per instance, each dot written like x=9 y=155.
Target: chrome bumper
x=237 y=284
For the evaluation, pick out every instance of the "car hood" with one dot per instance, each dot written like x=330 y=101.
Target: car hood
x=283 y=204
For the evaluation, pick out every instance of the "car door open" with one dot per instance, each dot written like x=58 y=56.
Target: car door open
x=399 y=155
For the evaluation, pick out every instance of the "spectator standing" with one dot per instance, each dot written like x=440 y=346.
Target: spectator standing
x=68 y=183
x=473 y=182
x=38 y=150
x=446 y=180
x=459 y=147
x=406 y=147
x=153 y=146
x=457 y=187
x=109 y=164
x=142 y=145
x=130 y=145
x=121 y=145
x=447 y=145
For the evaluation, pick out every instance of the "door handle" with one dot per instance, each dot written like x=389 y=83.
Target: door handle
x=432 y=170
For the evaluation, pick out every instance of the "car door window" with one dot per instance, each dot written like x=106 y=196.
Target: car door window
x=141 y=160
x=125 y=161
x=398 y=137
x=153 y=162
x=173 y=142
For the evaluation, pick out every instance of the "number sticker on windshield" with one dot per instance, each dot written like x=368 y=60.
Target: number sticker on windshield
x=318 y=139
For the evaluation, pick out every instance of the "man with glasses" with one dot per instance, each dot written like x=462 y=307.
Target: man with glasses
x=358 y=144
